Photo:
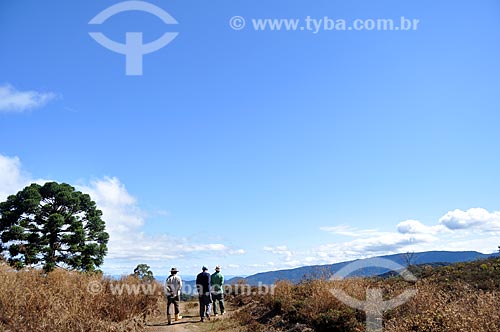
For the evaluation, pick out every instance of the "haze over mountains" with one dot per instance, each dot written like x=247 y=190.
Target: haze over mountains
x=370 y=269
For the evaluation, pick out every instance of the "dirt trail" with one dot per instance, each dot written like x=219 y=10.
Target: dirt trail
x=190 y=320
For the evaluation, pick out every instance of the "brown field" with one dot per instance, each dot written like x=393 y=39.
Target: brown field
x=460 y=298
x=69 y=301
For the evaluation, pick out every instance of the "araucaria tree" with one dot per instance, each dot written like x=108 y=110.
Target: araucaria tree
x=52 y=226
x=143 y=272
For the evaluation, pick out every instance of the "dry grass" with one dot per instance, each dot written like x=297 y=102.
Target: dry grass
x=69 y=301
x=447 y=301
x=458 y=308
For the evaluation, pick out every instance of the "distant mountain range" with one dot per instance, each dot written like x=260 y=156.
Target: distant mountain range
x=370 y=269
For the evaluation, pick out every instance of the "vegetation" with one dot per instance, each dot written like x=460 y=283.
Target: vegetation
x=460 y=297
x=52 y=226
x=33 y=301
x=143 y=272
x=480 y=275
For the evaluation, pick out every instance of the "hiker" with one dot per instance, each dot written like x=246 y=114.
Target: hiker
x=204 y=296
x=173 y=286
x=217 y=282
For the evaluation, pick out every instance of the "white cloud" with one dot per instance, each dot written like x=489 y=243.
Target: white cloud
x=268 y=265
x=408 y=236
x=390 y=242
x=383 y=243
x=12 y=100
x=125 y=220
x=129 y=244
x=371 y=242
x=473 y=229
x=288 y=258
x=12 y=177
x=120 y=209
x=454 y=231
x=475 y=218
x=350 y=231
x=416 y=227
x=280 y=250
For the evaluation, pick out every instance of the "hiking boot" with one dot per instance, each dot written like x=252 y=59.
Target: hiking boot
x=178 y=317
x=169 y=318
x=202 y=319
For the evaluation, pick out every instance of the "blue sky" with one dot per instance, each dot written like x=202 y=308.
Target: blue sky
x=260 y=150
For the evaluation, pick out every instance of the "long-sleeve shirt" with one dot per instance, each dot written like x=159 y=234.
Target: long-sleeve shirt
x=203 y=283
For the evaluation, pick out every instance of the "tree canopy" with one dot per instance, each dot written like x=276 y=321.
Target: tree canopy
x=52 y=225
x=143 y=272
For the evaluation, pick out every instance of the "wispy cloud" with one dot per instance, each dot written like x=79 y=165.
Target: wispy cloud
x=280 y=250
x=287 y=257
x=381 y=244
x=474 y=229
x=12 y=100
x=125 y=220
x=350 y=231
x=131 y=243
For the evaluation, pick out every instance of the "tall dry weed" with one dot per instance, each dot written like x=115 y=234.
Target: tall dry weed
x=456 y=308
x=32 y=301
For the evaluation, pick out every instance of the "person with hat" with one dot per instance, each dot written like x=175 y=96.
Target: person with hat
x=217 y=282
x=204 y=295
x=173 y=286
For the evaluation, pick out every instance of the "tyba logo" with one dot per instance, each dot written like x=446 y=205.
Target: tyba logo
x=134 y=49
x=374 y=306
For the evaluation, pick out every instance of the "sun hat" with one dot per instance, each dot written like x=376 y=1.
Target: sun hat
x=204 y=268
x=217 y=268
x=174 y=269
